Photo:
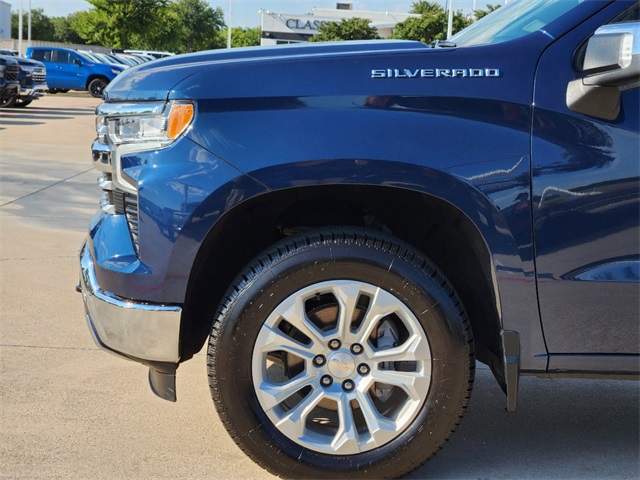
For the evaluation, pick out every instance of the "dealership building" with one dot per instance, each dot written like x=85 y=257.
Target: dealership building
x=5 y=20
x=283 y=28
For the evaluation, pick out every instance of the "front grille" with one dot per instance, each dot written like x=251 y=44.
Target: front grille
x=116 y=201
x=39 y=77
x=131 y=212
x=127 y=204
x=11 y=73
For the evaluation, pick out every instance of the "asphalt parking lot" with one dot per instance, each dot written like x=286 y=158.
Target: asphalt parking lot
x=70 y=410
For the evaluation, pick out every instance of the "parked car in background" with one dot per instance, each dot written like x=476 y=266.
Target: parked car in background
x=69 y=69
x=106 y=58
x=101 y=58
x=130 y=59
x=116 y=59
x=33 y=81
x=151 y=53
x=9 y=84
x=145 y=58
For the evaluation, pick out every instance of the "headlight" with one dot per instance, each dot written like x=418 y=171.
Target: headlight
x=115 y=71
x=157 y=124
x=2 y=67
x=129 y=128
x=27 y=68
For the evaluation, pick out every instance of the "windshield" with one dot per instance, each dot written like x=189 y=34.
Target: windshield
x=512 y=21
x=114 y=59
x=104 y=59
x=86 y=57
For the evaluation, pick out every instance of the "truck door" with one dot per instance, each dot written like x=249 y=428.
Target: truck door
x=586 y=215
x=70 y=69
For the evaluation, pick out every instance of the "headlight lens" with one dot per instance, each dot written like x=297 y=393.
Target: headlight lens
x=27 y=68
x=115 y=71
x=159 y=126
x=129 y=128
x=136 y=129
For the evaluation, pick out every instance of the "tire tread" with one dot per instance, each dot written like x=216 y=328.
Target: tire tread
x=357 y=236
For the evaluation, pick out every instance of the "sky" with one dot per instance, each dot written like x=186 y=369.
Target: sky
x=245 y=12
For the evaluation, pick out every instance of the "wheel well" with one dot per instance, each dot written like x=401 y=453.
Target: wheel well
x=93 y=77
x=444 y=234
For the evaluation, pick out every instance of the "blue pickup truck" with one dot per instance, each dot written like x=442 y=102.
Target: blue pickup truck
x=69 y=69
x=9 y=80
x=351 y=226
x=33 y=82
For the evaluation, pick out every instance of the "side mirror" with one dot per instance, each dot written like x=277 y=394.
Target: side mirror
x=609 y=63
x=78 y=62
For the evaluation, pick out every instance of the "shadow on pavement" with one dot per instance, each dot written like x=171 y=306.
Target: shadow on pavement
x=54 y=112
x=19 y=121
x=4 y=122
x=563 y=428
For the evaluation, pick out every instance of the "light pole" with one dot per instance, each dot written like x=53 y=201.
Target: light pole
x=29 y=27
x=229 y=26
x=20 y=29
x=450 y=21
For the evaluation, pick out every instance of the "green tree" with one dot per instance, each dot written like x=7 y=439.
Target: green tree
x=486 y=11
x=431 y=25
x=424 y=7
x=198 y=25
x=120 y=23
x=93 y=27
x=245 y=37
x=63 y=30
x=41 y=26
x=348 y=29
x=424 y=29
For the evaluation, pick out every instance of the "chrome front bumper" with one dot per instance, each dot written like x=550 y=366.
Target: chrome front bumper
x=36 y=91
x=138 y=331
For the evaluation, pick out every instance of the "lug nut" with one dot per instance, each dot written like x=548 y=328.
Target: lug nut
x=363 y=369
x=356 y=348
x=335 y=344
x=326 y=381
x=319 y=360
x=348 y=385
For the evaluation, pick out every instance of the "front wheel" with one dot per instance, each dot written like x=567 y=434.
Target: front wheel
x=7 y=102
x=97 y=86
x=341 y=353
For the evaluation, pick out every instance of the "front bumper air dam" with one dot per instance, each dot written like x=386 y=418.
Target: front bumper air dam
x=142 y=332
x=35 y=91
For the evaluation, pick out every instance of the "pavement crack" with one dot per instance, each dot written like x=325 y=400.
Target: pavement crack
x=43 y=347
x=48 y=186
x=38 y=258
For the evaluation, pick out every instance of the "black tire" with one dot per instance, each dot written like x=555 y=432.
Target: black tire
x=321 y=259
x=21 y=103
x=7 y=102
x=97 y=86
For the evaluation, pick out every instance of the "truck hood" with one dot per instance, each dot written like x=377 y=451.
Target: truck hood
x=6 y=60
x=157 y=80
x=29 y=62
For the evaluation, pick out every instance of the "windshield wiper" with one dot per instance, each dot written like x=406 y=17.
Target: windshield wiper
x=442 y=44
